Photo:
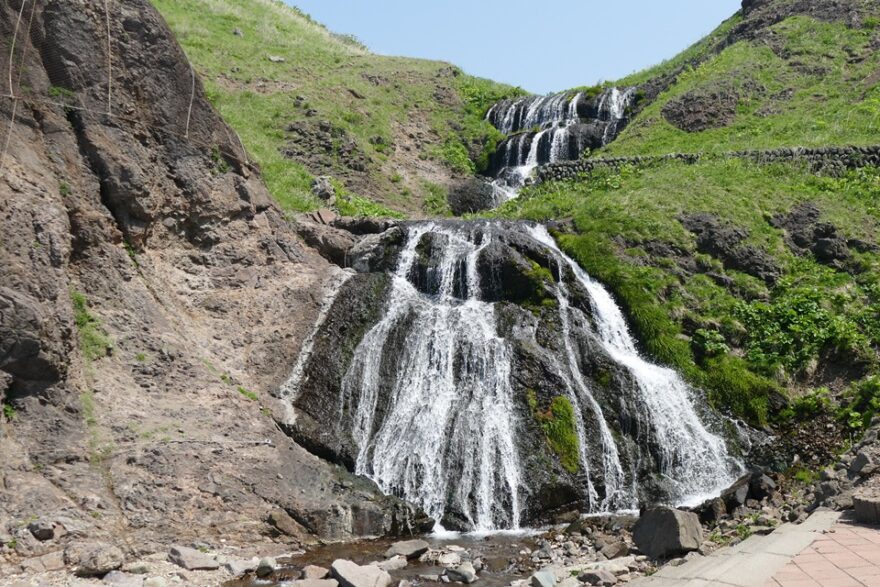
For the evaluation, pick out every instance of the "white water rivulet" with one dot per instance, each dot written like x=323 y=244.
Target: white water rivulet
x=548 y=129
x=434 y=400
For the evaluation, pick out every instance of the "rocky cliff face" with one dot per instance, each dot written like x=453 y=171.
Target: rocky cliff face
x=151 y=295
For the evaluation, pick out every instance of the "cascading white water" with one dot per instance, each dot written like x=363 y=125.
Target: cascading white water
x=555 y=117
x=694 y=460
x=429 y=401
x=447 y=434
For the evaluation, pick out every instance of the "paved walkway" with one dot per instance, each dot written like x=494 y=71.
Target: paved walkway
x=848 y=555
x=756 y=561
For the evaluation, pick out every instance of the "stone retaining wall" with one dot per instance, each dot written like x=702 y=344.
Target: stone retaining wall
x=825 y=159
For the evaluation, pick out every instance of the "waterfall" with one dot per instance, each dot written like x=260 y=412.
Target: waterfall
x=557 y=138
x=448 y=435
x=433 y=396
x=693 y=459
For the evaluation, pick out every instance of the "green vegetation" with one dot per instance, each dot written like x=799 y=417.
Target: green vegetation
x=560 y=429
x=248 y=394
x=8 y=411
x=377 y=101
x=436 y=200
x=811 y=87
x=93 y=341
x=741 y=343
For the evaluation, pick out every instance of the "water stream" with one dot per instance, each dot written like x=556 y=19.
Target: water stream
x=430 y=402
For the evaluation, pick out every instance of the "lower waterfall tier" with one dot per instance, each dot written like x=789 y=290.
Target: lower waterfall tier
x=475 y=370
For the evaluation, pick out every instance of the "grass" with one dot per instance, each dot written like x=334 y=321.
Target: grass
x=558 y=424
x=248 y=394
x=93 y=341
x=660 y=300
x=816 y=95
x=373 y=99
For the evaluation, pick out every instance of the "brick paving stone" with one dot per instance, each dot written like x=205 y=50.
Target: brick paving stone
x=847 y=555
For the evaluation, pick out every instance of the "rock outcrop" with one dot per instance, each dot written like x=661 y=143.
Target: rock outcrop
x=663 y=532
x=152 y=295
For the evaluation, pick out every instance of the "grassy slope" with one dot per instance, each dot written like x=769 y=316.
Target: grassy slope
x=257 y=97
x=832 y=71
x=758 y=340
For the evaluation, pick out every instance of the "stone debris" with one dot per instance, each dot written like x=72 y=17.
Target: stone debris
x=409 y=549
x=192 y=559
x=350 y=574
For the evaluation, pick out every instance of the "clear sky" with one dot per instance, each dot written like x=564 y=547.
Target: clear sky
x=541 y=45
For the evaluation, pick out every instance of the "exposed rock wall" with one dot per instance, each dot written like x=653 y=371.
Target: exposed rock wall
x=202 y=288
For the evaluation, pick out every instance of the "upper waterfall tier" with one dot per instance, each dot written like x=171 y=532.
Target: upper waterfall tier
x=474 y=369
x=558 y=127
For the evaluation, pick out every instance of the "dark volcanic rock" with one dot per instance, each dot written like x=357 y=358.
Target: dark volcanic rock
x=725 y=242
x=805 y=234
x=703 y=109
x=664 y=532
x=473 y=195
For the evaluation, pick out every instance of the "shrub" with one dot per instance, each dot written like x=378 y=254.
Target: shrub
x=709 y=343
x=9 y=412
x=861 y=403
x=456 y=157
x=436 y=200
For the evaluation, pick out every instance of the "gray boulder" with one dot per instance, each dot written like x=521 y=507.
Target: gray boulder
x=192 y=559
x=463 y=573
x=315 y=572
x=543 y=579
x=323 y=189
x=266 y=567
x=662 y=532
x=93 y=559
x=598 y=577
x=867 y=506
x=350 y=574
x=409 y=549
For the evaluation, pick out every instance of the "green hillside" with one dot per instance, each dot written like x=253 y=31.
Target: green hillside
x=398 y=133
x=775 y=77
x=803 y=82
x=307 y=102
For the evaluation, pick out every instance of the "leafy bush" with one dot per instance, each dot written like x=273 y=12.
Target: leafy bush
x=709 y=343
x=8 y=412
x=456 y=157
x=808 y=406
x=436 y=200
x=93 y=342
x=794 y=328
x=861 y=404
x=731 y=385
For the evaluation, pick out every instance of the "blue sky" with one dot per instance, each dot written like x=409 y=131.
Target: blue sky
x=541 y=45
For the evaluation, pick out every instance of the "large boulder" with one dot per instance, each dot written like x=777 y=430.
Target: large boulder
x=350 y=574
x=409 y=549
x=192 y=559
x=662 y=532
x=92 y=559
